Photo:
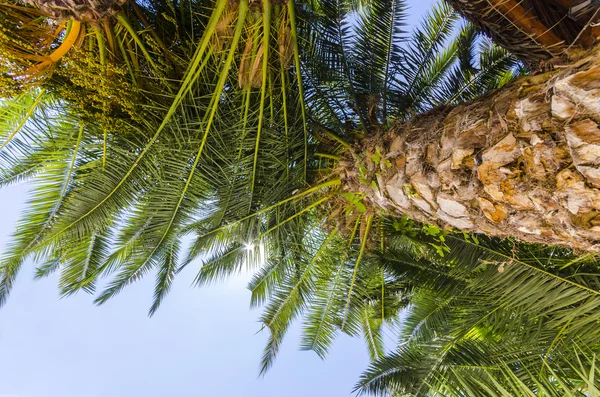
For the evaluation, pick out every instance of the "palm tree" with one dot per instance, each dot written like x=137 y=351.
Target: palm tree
x=495 y=198
x=119 y=200
x=294 y=144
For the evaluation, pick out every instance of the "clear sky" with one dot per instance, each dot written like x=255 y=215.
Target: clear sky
x=202 y=342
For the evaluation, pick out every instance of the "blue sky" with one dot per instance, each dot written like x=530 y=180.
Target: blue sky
x=202 y=342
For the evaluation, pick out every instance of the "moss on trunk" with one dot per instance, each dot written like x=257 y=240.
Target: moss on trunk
x=523 y=162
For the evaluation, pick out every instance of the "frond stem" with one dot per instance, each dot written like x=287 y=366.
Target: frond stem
x=363 y=247
x=24 y=120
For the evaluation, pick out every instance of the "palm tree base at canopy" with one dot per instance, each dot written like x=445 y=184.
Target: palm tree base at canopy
x=79 y=10
x=523 y=162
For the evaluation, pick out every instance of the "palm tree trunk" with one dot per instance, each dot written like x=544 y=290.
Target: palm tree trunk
x=522 y=162
x=79 y=10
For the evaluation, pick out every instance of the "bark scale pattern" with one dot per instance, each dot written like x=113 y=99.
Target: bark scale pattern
x=523 y=162
x=79 y=10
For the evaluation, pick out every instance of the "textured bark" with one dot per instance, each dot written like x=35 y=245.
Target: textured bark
x=79 y=10
x=526 y=22
x=523 y=162
x=534 y=30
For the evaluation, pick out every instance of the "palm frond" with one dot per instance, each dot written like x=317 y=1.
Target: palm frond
x=498 y=320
